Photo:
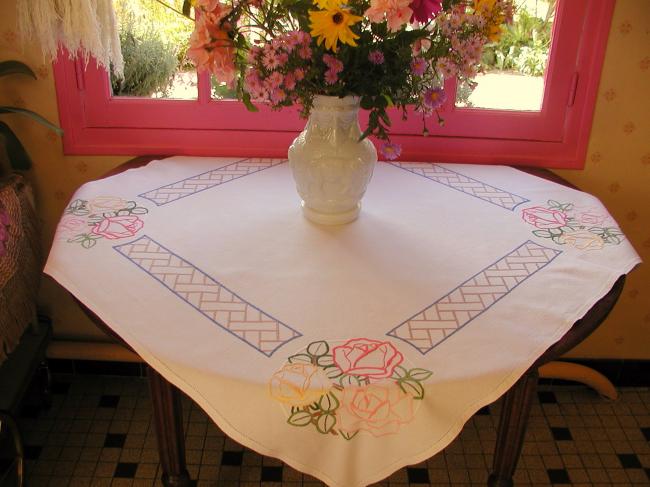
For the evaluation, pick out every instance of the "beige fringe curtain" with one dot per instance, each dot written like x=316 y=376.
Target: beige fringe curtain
x=84 y=27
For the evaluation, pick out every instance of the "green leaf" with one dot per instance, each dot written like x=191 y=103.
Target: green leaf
x=412 y=387
x=333 y=372
x=349 y=380
x=325 y=423
x=300 y=358
x=325 y=361
x=328 y=402
x=348 y=436
x=33 y=115
x=542 y=233
x=299 y=418
x=187 y=7
x=318 y=349
x=399 y=372
x=18 y=156
x=419 y=374
x=15 y=67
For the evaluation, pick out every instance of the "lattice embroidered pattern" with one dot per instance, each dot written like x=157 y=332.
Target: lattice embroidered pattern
x=431 y=326
x=465 y=184
x=200 y=182
x=209 y=297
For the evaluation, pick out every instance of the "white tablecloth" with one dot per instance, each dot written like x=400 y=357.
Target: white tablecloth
x=348 y=351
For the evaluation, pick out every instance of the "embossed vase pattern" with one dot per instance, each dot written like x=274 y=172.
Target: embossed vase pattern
x=330 y=166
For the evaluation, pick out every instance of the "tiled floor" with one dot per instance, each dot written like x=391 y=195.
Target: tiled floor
x=99 y=433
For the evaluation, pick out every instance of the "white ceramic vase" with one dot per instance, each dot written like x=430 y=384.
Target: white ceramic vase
x=330 y=166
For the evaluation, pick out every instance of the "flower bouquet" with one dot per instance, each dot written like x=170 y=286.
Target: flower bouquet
x=333 y=57
x=389 y=53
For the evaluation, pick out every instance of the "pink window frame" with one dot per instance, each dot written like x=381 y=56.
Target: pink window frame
x=557 y=136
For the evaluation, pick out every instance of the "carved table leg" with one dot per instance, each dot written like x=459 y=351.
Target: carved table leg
x=168 y=419
x=512 y=428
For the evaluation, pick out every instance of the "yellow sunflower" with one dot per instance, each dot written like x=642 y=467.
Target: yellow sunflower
x=333 y=25
x=328 y=3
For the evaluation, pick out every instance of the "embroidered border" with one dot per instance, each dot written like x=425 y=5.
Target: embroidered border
x=465 y=184
x=437 y=322
x=209 y=297
x=209 y=179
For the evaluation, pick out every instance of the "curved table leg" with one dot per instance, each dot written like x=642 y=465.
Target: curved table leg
x=512 y=429
x=168 y=419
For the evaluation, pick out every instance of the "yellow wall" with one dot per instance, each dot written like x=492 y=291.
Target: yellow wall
x=617 y=170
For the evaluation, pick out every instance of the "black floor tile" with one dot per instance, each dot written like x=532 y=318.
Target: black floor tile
x=125 y=470
x=547 y=397
x=108 y=401
x=114 y=440
x=629 y=460
x=417 y=475
x=561 y=434
x=232 y=458
x=558 y=476
x=484 y=411
x=272 y=474
x=32 y=452
x=646 y=433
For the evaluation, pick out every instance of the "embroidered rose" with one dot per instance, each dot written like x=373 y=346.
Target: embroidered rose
x=582 y=240
x=114 y=227
x=106 y=204
x=544 y=217
x=591 y=218
x=70 y=225
x=379 y=408
x=299 y=384
x=368 y=358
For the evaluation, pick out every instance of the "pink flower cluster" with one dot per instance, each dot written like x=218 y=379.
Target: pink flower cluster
x=334 y=67
x=465 y=52
x=398 y=12
x=270 y=77
x=211 y=48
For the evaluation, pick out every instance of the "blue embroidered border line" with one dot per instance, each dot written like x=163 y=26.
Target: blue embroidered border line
x=208 y=179
x=464 y=184
x=434 y=324
x=266 y=334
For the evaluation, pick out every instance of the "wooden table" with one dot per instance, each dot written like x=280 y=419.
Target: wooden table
x=514 y=413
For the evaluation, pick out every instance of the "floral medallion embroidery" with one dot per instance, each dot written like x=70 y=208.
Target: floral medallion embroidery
x=360 y=385
x=86 y=221
x=585 y=228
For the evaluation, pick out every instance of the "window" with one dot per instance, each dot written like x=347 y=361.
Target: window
x=508 y=118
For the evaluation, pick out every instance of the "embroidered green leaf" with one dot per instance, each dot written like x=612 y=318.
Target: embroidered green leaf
x=333 y=372
x=300 y=358
x=88 y=243
x=542 y=233
x=555 y=231
x=325 y=423
x=328 y=402
x=419 y=374
x=399 y=372
x=350 y=381
x=299 y=418
x=412 y=387
x=325 y=361
x=78 y=208
x=348 y=436
x=318 y=348
x=556 y=239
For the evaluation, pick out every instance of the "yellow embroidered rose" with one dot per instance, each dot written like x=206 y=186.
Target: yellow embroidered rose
x=105 y=204
x=299 y=384
x=582 y=240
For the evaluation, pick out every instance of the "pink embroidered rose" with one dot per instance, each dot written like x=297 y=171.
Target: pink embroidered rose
x=379 y=409
x=368 y=358
x=582 y=240
x=69 y=226
x=114 y=227
x=544 y=218
x=299 y=384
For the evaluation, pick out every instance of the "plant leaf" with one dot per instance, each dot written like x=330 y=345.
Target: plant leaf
x=328 y=402
x=325 y=423
x=399 y=372
x=15 y=67
x=187 y=7
x=325 y=361
x=348 y=436
x=33 y=115
x=18 y=156
x=299 y=418
x=419 y=374
x=300 y=358
x=317 y=349
x=333 y=372
x=413 y=388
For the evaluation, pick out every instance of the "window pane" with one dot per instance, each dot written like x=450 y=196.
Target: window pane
x=515 y=65
x=154 y=39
